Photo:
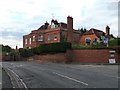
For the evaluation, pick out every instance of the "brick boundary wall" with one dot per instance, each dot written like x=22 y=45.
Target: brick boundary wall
x=91 y=56
x=81 y=56
x=60 y=57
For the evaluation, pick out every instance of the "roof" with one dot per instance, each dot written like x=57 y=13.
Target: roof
x=98 y=33
x=64 y=25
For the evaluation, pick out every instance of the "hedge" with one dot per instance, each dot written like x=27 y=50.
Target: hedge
x=54 y=47
x=46 y=48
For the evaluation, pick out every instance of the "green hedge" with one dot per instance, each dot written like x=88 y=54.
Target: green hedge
x=54 y=47
x=45 y=49
x=26 y=52
x=114 y=42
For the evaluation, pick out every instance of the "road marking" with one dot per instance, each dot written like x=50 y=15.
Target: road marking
x=111 y=76
x=21 y=65
x=18 y=78
x=78 y=81
x=0 y=83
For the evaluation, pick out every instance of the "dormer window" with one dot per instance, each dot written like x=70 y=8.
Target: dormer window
x=52 y=25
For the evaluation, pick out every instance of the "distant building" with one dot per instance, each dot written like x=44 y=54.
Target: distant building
x=59 y=32
x=94 y=35
x=51 y=33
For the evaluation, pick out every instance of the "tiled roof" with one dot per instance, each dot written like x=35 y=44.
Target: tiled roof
x=98 y=33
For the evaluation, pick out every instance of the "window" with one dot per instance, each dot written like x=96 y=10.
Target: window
x=25 y=41
x=40 y=38
x=55 y=36
x=88 y=40
x=30 y=41
x=33 y=38
x=48 y=37
x=52 y=25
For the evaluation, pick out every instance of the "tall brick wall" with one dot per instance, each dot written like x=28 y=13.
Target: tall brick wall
x=82 y=56
x=91 y=56
x=49 y=57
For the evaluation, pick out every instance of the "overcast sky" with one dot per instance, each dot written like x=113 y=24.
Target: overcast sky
x=19 y=17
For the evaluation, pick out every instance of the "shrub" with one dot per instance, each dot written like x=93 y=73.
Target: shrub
x=26 y=52
x=114 y=42
x=54 y=47
x=46 y=48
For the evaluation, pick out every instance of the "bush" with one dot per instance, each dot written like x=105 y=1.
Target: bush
x=54 y=47
x=46 y=48
x=114 y=42
x=26 y=52
x=5 y=48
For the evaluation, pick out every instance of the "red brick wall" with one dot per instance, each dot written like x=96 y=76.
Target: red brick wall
x=82 y=56
x=91 y=56
x=49 y=57
x=76 y=37
x=57 y=32
x=45 y=34
x=82 y=39
x=117 y=57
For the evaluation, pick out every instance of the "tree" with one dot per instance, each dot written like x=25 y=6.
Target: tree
x=6 y=48
x=83 y=30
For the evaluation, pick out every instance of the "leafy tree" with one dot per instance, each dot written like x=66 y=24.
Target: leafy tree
x=83 y=30
x=5 y=48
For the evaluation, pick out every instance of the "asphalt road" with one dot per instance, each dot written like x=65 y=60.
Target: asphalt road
x=49 y=75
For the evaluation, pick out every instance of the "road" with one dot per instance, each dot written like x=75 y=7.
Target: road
x=50 y=75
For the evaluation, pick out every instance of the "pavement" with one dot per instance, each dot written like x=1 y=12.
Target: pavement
x=6 y=82
x=51 y=75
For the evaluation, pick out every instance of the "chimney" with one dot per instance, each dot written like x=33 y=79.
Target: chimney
x=107 y=30
x=16 y=47
x=69 y=23
x=69 y=29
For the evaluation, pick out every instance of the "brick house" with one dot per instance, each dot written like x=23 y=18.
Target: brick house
x=95 y=34
x=51 y=33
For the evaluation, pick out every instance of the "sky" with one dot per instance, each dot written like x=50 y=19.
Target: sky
x=20 y=17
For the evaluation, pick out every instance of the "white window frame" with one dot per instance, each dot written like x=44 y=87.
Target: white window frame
x=29 y=40
x=52 y=25
x=25 y=41
x=48 y=37
x=40 y=38
x=88 y=38
x=55 y=36
x=33 y=38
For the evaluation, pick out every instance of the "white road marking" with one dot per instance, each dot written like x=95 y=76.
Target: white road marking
x=18 y=77
x=111 y=76
x=78 y=81
x=0 y=83
x=21 y=65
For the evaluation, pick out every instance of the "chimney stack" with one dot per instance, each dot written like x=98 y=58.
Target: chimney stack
x=69 y=23
x=107 y=30
x=69 y=29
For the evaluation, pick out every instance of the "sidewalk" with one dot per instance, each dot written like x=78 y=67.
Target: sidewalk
x=6 y=83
